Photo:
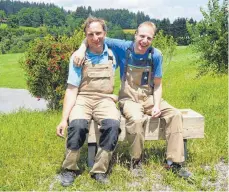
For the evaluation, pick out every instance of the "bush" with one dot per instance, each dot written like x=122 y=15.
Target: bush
x=210 y=37
x=46 y=67
x=167 y=45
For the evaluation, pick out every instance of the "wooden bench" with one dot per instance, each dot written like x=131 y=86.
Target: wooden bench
x=193 y=127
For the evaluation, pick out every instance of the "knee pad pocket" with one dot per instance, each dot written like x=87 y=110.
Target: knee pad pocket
x=110 y=129
x=77 y=131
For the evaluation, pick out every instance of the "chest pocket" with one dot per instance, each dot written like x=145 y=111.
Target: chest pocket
x=100 y=78
x=138 y=76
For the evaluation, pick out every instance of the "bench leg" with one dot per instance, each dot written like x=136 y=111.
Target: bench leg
x=92 y=149
x=185 y=150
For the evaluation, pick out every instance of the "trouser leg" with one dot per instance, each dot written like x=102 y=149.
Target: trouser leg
x=135 y=118
x=77 y=131
x=173 y=131
x=110 y=130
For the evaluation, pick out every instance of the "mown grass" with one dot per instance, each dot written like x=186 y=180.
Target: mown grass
x=31 y=154
x=131 y=31
x=11 y=73
x=3 y=26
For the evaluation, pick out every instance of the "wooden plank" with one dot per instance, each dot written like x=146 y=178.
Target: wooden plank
x=193 y=127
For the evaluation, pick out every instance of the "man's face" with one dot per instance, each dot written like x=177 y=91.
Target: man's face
x=143 y=39
x=95 y=37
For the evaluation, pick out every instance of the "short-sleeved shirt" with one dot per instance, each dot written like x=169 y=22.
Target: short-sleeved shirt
x=120 y=47
x=75 y=73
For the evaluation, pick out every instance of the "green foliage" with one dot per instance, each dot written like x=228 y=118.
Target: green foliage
x=2 y=15
x=210 y=37
x=179 y=31
x=167 y=45
x=13 y=21
x=115 y=32
x=46 y=66
x=15 y=40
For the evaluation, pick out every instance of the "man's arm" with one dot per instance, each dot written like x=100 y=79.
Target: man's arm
x=157 y=60
x=116 y=45
x=79 y=54
x=69 y=102
x=156 y=112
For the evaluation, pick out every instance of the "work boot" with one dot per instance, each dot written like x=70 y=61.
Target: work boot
x=101 y=178
x=136 y=168
x=179 y=170
x=67 y=177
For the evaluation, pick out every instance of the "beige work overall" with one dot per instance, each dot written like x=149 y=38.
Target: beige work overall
x=137 y=101
x=95 y=101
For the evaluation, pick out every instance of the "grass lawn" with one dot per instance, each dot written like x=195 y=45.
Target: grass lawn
x=11 y=74
x=31 y=153
x=3 y=26
x=131 y=31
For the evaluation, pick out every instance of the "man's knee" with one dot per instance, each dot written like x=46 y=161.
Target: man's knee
x=110 y=130
x=77 y=131
x=135 y=126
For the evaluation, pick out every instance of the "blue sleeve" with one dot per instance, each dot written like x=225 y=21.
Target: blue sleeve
x=119 y=47
x=157 y=61
x=117 y=44
x=74 y=74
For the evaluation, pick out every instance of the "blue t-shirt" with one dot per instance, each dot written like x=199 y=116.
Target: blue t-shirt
x=75 y=73
x=120 y=47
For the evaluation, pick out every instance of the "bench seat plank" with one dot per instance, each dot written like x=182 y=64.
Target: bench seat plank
x=193 y=127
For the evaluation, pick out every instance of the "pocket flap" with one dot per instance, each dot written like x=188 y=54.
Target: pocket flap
x=99 y=74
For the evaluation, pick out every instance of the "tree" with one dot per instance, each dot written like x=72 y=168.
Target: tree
x=25 y=16
x=81 y=12
x=210 y=37
x=13 y=21
x=54 y=17
x=2 y=15
x=179 y=31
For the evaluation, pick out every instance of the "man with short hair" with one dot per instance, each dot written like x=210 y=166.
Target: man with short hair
x=90 y=95
x=140 y=96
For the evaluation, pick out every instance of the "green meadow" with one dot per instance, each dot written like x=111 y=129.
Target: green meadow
x=131 y=31
x=11 y=73
x=32 y=154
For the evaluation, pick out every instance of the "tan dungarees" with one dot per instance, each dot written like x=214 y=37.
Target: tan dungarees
x=137 y=101
x=95 y=100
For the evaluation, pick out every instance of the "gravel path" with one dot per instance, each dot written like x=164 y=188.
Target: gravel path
x=11 y=100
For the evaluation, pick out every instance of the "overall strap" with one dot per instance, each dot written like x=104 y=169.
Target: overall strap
x=110 y=56
x=150 y=60
x=128 y=56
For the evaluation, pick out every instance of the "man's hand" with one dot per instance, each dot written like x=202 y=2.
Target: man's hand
x=78 y=58
x=60 y=129
x=156 y=112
